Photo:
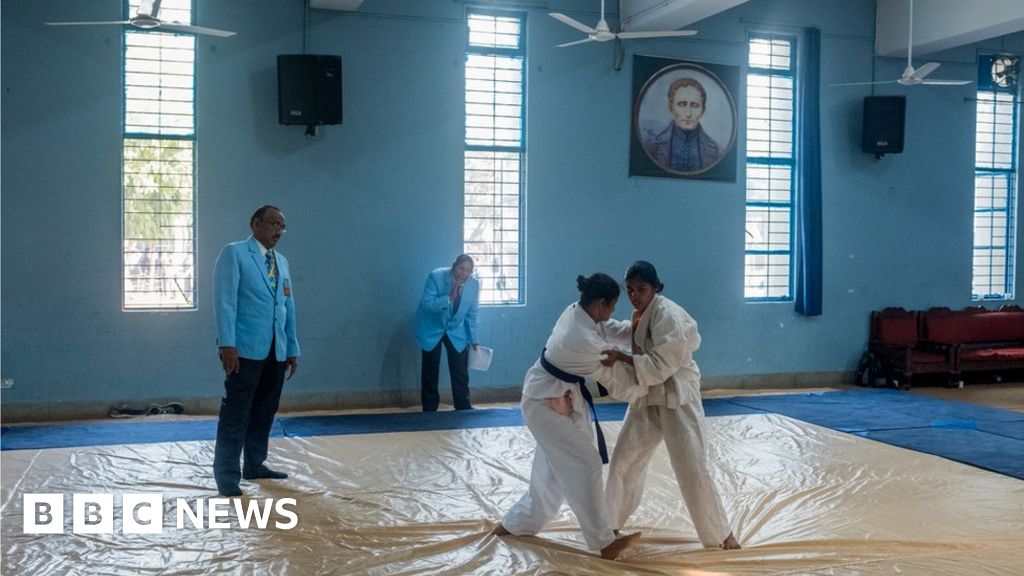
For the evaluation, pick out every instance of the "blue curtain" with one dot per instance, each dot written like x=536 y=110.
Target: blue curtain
x=808 y=182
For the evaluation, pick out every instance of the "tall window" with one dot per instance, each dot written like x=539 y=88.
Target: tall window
x=995 y=175
x=158 y=176
x=494 y=154
x=771 y=159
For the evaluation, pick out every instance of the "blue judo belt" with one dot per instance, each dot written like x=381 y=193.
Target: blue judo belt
x=564 y=376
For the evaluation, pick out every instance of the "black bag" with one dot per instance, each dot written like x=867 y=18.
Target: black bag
x=869 y=370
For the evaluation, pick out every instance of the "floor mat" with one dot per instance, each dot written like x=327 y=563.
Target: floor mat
x=801 y=498
x=975 y=447
x=990 y=438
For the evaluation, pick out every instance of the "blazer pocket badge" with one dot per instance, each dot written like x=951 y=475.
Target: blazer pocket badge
x=287 y=289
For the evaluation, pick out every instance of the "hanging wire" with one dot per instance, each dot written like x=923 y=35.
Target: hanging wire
x=305 y=28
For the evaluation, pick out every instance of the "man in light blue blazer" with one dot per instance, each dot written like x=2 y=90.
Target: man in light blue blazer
x=447 y=316
x=255 y=311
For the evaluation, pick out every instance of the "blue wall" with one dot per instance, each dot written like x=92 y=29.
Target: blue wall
x=376 y=203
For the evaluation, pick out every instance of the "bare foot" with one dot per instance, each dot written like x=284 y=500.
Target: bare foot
x=730 y=543
x=619 y=545
x=500 y=530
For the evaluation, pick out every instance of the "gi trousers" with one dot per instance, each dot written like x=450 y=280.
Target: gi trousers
x=566 y=468
x=247 y=413
x=458 y=370
x=682 y=430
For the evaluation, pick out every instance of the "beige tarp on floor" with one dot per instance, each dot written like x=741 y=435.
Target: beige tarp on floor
x=803 y=500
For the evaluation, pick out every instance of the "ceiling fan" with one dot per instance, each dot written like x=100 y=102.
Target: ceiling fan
x=146 y=19
x=602 y=33
x=913 y=76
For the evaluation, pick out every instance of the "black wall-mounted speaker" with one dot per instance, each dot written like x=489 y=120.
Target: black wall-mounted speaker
x=308 y=89
x=883 y=124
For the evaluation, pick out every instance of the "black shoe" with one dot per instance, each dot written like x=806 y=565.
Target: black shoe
x=124 y=411
x=229 y=491
x=172 y=408
x=264 y=472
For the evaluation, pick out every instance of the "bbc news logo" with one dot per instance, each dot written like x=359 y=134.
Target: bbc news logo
x=143 y=513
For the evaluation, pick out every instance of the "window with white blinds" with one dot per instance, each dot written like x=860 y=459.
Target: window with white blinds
x=494 y=154
x=771 y=79
x=158 y=165
x=995 y=194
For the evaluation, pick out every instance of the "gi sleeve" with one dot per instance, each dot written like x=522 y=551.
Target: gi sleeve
x=619 y=333
x=674 y=339
x=623 y=384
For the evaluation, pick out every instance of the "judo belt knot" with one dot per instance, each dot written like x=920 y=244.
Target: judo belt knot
x=602 y=447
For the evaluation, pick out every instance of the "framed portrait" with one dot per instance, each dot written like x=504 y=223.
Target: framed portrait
x=684 y=119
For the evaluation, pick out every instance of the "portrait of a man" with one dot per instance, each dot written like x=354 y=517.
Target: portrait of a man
x=683 y=145
x=684 y=121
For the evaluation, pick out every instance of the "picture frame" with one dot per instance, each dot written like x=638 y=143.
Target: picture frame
x=684 y=119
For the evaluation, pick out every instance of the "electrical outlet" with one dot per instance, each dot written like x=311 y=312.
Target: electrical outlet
x=7 y=383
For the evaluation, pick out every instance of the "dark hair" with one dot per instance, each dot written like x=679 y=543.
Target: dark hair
x=645 y=272
x=597 y=287
x=258 y=214
x=463 y=258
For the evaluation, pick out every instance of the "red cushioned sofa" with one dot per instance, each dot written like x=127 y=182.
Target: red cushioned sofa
x=983 y=340
x=898 y=353
x=903 y=344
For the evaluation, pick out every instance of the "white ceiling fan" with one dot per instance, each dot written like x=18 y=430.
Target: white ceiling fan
x=602 y=33
x=913 y=76
x=146 y=19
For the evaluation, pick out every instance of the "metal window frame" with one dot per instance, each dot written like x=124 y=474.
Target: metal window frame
x=1010 y=210
x=768 y=161
x=126 y=136
x=517 y=52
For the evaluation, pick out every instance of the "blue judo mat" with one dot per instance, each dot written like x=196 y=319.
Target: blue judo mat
x=981 y=436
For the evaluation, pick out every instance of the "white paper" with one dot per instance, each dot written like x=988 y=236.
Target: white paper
x=480 y=358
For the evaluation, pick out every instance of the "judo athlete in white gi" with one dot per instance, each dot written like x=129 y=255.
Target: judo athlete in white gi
x=566 y=465
x=664 y=339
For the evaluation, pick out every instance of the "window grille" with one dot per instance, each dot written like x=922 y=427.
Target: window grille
x=995 y=195
x=494 y=184
x=158 y=165
x=770 y=163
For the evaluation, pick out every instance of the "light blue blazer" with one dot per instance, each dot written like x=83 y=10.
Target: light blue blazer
x=434 y=317
x=250 y=315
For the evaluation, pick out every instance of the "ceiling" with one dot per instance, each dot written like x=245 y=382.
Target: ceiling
x=938 y=24
x=344 y=5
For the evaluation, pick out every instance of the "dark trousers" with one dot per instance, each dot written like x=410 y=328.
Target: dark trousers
x=458 y=369
x=246 y=414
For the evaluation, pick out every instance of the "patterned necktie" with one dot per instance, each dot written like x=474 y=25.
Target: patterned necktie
x=272 y=269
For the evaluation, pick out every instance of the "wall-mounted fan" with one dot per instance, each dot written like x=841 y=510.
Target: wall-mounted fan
x=146 y=19
x=913 y=76
x=1005 y=70
x=602 y=33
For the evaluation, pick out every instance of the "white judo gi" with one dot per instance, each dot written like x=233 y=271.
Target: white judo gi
x=663 y=345
x=566 y=464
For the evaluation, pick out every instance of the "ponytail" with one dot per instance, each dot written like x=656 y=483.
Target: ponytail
x=597 y=287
